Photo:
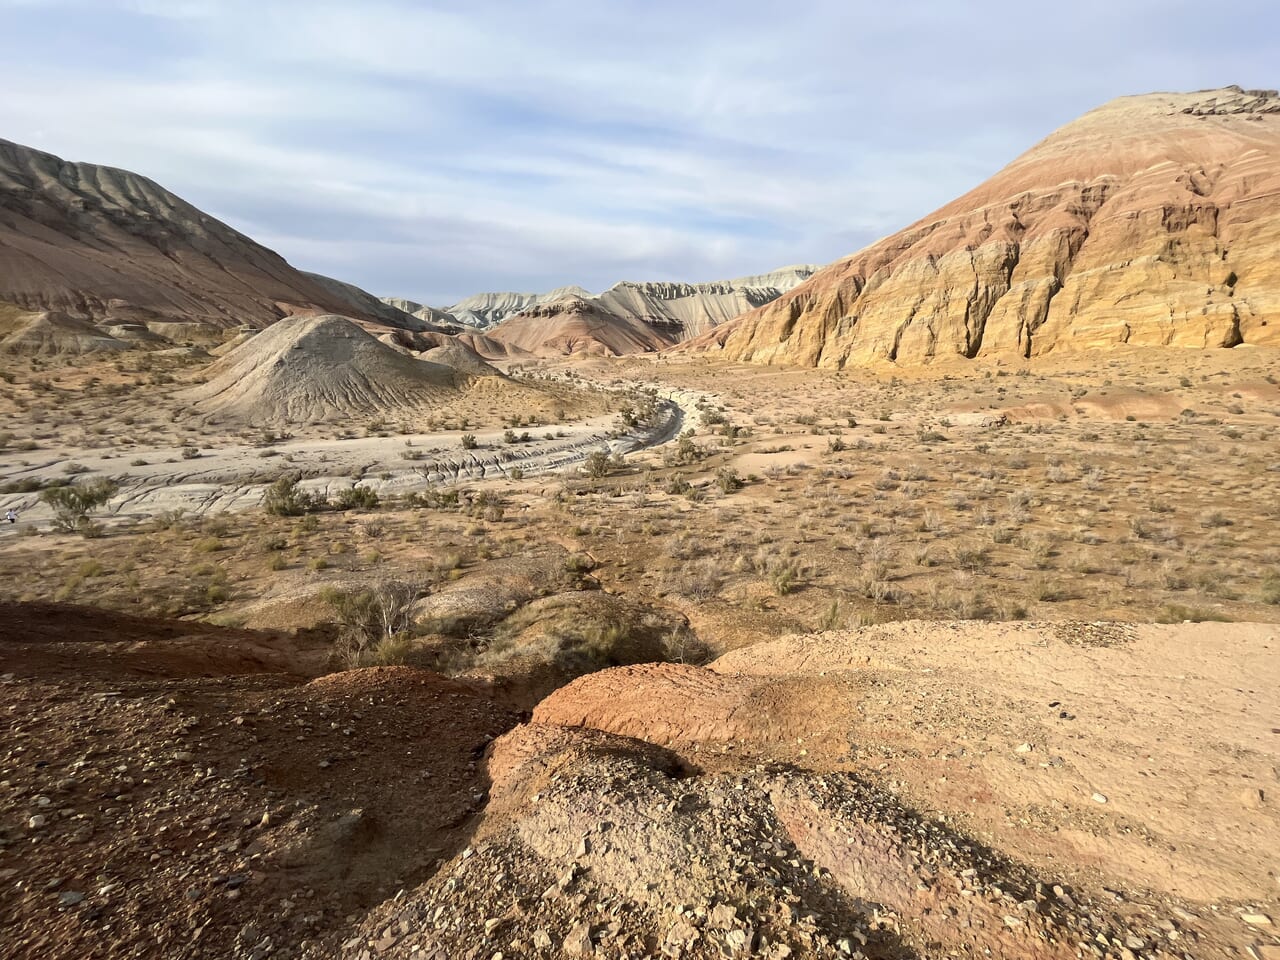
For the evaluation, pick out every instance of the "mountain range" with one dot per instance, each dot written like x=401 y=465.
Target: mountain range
x=1153 y=220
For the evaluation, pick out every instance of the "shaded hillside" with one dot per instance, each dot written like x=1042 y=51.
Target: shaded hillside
x=106 y=244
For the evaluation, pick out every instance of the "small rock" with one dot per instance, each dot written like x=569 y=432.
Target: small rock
x=38 y=821
x=69 y=898
x=578 y=942
x=1256 y=919
x=1023 y=748
x=1099 y=798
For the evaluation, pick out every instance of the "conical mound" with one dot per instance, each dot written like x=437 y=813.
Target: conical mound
x=320 y=369
x=460 y=357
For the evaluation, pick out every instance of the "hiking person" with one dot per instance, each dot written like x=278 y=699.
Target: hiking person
x=11 y=515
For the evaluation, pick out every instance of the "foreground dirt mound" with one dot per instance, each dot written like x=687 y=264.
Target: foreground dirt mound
x=51 y=639
x=189 y=814
x=315 y=369
x=910 y=790
x=1017 y=791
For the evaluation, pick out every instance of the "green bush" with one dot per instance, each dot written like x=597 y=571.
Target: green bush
x=73 y=503
x=597 y=464
x=357 y=498
x=284 y=498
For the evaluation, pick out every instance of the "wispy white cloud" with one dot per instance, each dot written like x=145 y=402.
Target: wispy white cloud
x=430 y=150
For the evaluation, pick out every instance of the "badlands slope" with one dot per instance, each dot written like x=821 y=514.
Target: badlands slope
x=106 y=244
x=1151 y=221
x=573 y=326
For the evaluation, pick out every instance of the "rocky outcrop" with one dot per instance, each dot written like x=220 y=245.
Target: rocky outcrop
x=1153 y=221
x=51 y=334
x=423 y=312
x=105 y=244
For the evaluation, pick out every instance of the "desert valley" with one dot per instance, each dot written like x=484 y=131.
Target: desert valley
x=922 y=604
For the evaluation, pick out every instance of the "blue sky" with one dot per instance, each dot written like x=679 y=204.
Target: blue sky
x=436 y=149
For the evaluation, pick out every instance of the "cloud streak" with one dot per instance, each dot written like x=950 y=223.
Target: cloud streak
x=435 y=149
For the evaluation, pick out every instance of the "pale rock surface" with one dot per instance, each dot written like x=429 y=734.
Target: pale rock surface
x=1151 y=221
x=489 y=309
x=675 y=311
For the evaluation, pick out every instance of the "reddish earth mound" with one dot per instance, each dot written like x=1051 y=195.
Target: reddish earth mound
x=572 y=327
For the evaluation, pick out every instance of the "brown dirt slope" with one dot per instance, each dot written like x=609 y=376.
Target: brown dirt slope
x=156 y=803
x=104 y=243
x=574 y=326
x=1152 y=221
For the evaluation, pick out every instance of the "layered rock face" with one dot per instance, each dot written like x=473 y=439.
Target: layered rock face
x=106 y=244
x=486 y=310
x=1152 y=221
x=686 y=310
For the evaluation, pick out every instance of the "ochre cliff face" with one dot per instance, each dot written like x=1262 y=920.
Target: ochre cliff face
x=1153 y=221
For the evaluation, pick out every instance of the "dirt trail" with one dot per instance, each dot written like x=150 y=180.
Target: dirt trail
x=233 y=478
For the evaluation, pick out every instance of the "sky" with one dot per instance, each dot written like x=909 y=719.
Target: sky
x=432 y=150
